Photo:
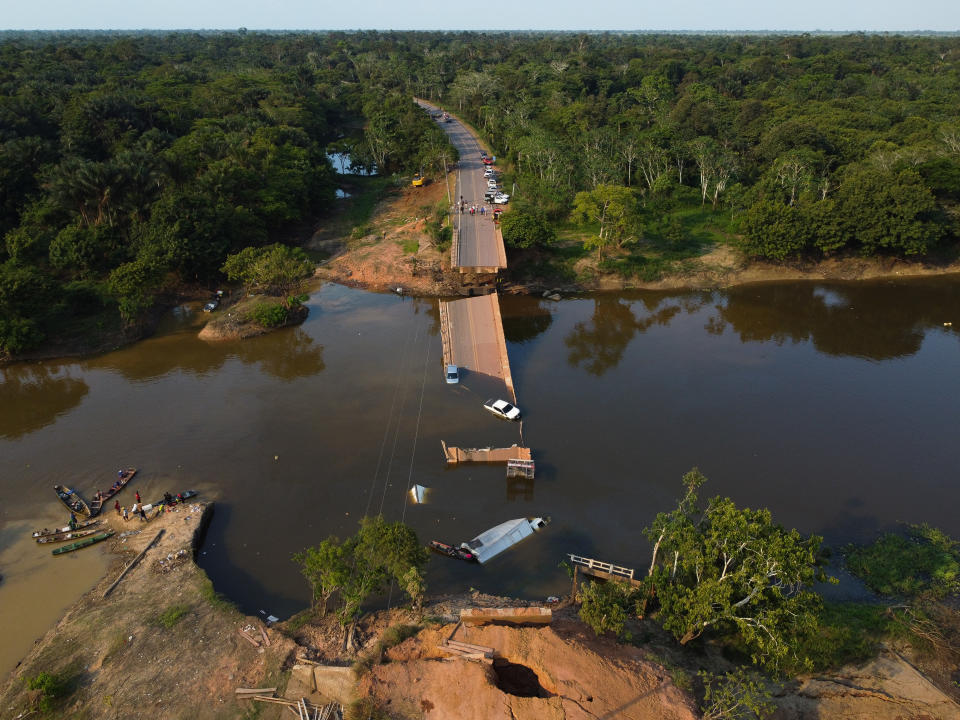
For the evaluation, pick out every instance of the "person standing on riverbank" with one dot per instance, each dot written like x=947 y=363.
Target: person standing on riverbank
x=137 y=497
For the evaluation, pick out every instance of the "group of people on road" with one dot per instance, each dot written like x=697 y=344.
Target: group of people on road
x=472 y=209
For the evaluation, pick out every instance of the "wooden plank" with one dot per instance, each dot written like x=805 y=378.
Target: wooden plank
x=266 y=640
x=303 y=660
x=470 y=646
x=249 y=639
x=133 y=562
x=254 y=691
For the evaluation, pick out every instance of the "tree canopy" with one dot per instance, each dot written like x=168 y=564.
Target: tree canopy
x=361 y=566
x=131 y=163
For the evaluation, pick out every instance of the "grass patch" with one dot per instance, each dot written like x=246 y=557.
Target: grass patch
x=410 y=246
x=848 y=633
x=172 y=615
x=215 y=599
x=367 y=192
x=646 y=268
x=297 y=621
x=923 y=560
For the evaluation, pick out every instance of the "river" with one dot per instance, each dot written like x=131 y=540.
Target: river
x=835 y=405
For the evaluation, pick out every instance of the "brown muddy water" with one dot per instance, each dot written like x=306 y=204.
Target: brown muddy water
x=833 y=404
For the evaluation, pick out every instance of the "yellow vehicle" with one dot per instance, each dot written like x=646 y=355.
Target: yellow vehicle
x=418 y=180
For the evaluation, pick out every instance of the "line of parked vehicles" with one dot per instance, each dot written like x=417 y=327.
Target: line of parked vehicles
x=494 y=194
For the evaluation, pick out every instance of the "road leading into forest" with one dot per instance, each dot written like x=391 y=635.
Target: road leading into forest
x=480 y=246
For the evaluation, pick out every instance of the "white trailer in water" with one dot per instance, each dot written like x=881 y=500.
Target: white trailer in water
x=505 y=535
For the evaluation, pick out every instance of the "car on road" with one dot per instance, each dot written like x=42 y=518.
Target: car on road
x=489 y=195
x=417 y=180
x=502 y=409
x=452 y=375
x=487 y=161
x=501 y=199
x=491 y=183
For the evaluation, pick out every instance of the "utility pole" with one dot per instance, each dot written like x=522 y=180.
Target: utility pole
x=446 y=178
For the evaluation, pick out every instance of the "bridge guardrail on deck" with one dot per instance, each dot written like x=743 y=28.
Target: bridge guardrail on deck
x=606 y=567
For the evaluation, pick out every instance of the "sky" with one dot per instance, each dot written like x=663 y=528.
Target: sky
x=868 y=15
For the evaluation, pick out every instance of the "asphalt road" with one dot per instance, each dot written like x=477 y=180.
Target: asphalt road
x=480 y=246
x=473 y=342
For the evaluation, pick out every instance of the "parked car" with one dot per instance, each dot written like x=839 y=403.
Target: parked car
x=487 y=161
x=490 y=195
x=211 y=306
x=491 y=183
x=502 y=409
x=453 y=375
x=417 y=180
x=501 y=199
x=489 y=172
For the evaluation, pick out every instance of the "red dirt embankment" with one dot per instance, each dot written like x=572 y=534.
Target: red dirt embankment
x=539 y=673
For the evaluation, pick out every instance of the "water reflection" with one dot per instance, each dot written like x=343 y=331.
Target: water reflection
x=346 y=164
x=874 y=321
x=526 y=321
x=33 y=396
x=297 y=356
x=285 y=354
x=598 y=344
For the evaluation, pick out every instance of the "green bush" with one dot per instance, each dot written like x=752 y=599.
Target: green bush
x=269 y=315
x=392 y=636
x=396 y=634
x=444 y=238
x=361 y=231
x=606 y=607
x=924 y=560
x=47 y=687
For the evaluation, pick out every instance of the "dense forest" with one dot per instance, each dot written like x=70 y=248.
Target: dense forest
x=130 y=164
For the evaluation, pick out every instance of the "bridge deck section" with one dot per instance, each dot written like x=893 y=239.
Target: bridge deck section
x=471 y=332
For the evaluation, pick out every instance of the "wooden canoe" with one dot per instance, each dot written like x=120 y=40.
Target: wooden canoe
x=56 y=531
x=124 y=476
x=70 y=534
x=79 y=544
x=72 y=500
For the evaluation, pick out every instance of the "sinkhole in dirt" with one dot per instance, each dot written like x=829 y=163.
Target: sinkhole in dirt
x=519 y=680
